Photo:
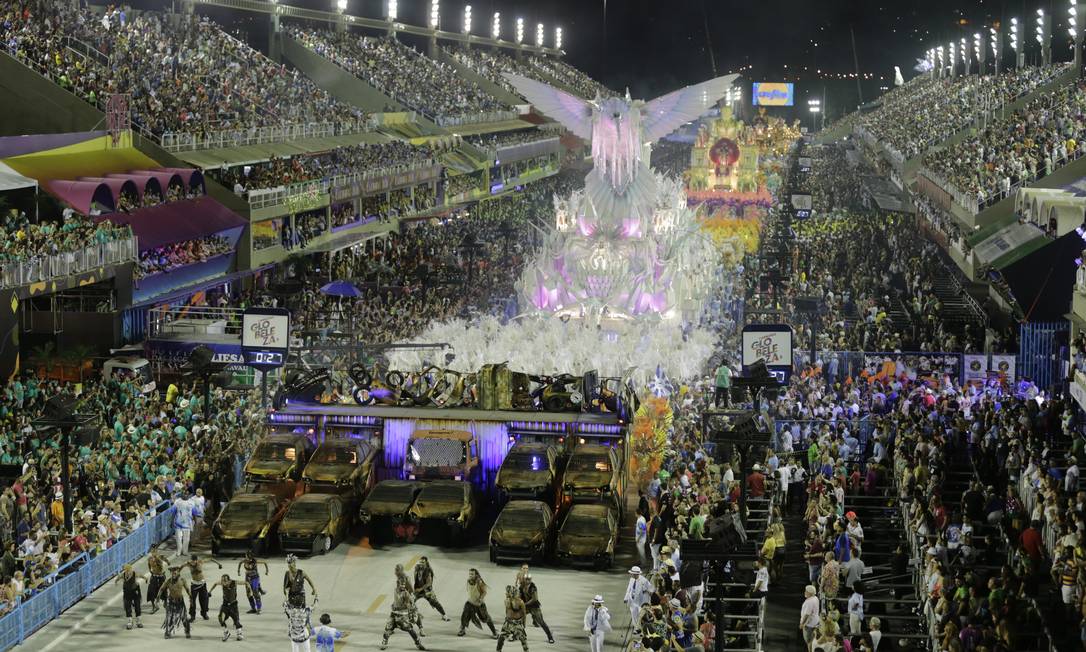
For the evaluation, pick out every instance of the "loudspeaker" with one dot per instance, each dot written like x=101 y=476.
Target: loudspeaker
x=200 y=358
x=60 y=408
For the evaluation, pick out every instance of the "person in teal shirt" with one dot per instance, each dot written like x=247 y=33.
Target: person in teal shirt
x=723 y=384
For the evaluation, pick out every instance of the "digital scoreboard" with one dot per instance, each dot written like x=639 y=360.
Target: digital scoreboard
x=265 y=337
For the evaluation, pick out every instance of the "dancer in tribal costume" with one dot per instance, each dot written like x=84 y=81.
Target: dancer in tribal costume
x=229 y=608
x=175 y=590
x=513 y=628
x=403 y=604
x=253 y=590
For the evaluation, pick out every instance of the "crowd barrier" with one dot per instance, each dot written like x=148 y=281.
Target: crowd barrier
x=186 y=142
x=79 y=577
x=66 y=263
x=381 y=178
x=474 y=118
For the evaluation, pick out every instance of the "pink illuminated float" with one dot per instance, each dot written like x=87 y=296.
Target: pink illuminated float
x=627 y=245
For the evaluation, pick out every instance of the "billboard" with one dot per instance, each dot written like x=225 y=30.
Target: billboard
x=772 y=343
x=773 y=94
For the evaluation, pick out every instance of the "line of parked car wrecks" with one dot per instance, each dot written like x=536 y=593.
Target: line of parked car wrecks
x=564 y=504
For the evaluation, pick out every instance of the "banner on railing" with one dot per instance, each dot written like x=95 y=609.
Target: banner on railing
x=1005 y=366
x=976 y=367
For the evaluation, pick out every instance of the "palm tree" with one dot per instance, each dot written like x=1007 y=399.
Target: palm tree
x=44 y=356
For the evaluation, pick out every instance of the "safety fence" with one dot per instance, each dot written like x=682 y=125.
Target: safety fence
x=79 y=577
x=66 y=263
x=174 y=142
x=474 y=118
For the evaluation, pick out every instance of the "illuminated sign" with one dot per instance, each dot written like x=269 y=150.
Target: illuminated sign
x=265 y=336
x=772 y=343
x=773 y=94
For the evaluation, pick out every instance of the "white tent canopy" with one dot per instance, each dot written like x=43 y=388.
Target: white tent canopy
x=12 y=180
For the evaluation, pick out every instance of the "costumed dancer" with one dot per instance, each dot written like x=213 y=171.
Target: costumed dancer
x=513 y=627
x=229 y=608
x=637 y=595
x=157 y=565
x=529 y=593
x=424 y=586
x=403 y=604
x=132 y=597
x=299 y=628
x=253 y=590
x=597 y=622
x=403 y=583
x=175 y=590
x=475 y=606
x=294 y=581
x=199 y=586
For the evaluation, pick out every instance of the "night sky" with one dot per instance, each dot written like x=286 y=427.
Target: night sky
x=655 y=46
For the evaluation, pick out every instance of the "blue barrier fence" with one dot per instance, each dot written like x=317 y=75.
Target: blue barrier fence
x=78 y=578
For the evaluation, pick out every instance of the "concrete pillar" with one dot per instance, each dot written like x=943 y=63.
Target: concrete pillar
x=275 y=39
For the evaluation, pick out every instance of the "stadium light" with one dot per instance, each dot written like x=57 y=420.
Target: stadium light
x=496 y=26
x=1072 y=19
x=539 y=35
x=435 y=14
x=341 y=6
x=963 y=49
x=520 y=31
x=391 y=10
x=1014 y=34
x=557 y=38
x=1040 y=26
x=814 y=106
x=467 y=19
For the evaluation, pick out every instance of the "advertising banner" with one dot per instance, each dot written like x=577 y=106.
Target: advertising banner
x=1004 y=365
x=976 y=367
x=773 y=94
x=928 y=367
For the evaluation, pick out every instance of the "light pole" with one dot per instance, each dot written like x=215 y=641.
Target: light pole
x=815 y=107
x=496 y=27
x=1044 y=36
x=980 y=52
x=997 y=46
x=558 y=38
x=392 y=10
x=1075 y=30
x=539 y=35
x=1016 y=45
x=963 y=50
x=942 y=62
x=341 y=20
x=953 y=59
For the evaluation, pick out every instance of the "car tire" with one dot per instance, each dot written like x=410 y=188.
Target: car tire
x=259 y=546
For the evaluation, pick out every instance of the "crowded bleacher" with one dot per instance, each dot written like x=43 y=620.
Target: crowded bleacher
x=182 y=73
x=409 y=77
x=1015 y=150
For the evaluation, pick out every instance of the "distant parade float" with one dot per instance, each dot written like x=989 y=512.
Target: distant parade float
x=620 y=284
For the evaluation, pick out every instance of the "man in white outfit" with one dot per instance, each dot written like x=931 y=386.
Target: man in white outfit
x=183 y=521
x=637 y=595
x=597 y=622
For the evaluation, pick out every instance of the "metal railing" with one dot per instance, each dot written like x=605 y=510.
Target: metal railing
x=66 y=263
x=474 y=118
x=280 y=194
x=187 y=142
x=194 y=321
x=79 y=577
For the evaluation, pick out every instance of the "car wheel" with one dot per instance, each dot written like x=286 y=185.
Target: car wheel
x=326 y=544
x=259 y=546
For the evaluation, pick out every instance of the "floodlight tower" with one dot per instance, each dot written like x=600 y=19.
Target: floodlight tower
x=435 y=27
x=496 y=28
x=942 y=63
x=979 y=52
x=392 y=14
x=952 y=58
x=815 y=107
x=1016 y=44
x=1075 y=30
x=997 y=45
x=558 y=38
x=519 y=36
x=1044 y=36
x=539 y=35
x=963 y=52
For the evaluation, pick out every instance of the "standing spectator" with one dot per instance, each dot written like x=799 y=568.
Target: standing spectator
x=809 y=615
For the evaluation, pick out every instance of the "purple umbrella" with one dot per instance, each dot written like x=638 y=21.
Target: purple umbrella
x=341 y=289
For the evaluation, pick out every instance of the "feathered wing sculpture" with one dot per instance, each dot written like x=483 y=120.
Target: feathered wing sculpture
x=668 y=112
x=574 y=113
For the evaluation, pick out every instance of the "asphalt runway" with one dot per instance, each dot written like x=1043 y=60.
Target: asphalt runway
x=354 y=583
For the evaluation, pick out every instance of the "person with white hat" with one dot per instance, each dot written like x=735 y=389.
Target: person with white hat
x=597 y=622
x=638 y=592
x=184 y=519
